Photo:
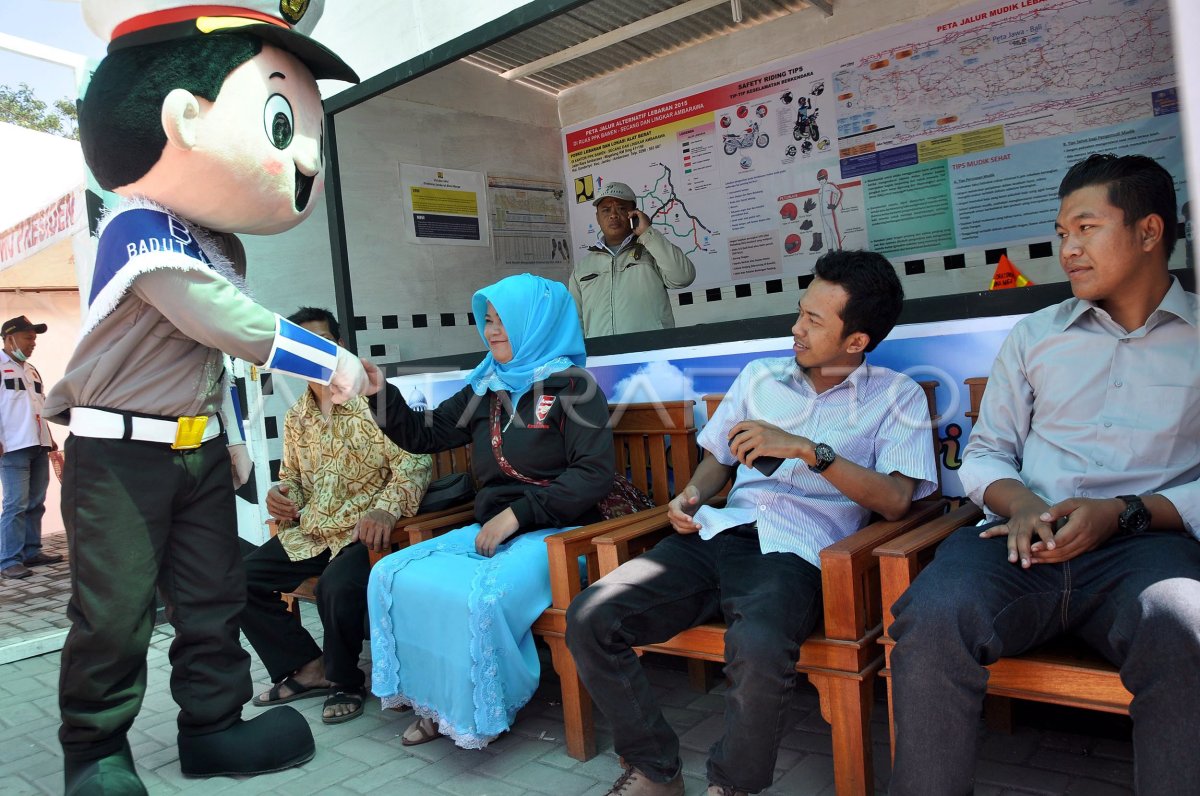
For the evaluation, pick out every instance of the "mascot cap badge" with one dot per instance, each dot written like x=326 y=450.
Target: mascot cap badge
x=284 y=23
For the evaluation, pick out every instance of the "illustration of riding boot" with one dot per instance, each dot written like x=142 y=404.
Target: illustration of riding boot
x=817 y=245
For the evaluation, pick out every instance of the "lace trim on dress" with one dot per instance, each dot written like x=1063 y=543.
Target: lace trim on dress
x=493 y=713
x=385 y=666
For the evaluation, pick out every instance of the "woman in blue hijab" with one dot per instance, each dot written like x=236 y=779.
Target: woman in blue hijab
x=450 y=617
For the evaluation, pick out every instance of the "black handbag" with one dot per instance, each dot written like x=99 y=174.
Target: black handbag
x=446 y=492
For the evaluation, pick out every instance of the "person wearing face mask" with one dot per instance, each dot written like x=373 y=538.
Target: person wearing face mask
x=24 y=442
x=450 y=617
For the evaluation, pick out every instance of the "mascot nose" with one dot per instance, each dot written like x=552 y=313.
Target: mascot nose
x=308 y=156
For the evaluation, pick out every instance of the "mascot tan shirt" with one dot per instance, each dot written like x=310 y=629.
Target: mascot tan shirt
x=169 y=328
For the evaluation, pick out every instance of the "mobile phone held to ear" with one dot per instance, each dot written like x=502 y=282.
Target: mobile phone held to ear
x=766 y=465
x=633 y=222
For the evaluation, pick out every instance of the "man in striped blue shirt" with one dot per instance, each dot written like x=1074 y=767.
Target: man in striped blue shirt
x=853 y=439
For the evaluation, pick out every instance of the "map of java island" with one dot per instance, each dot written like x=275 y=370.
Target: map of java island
x=1009 y=62
x=671 y=216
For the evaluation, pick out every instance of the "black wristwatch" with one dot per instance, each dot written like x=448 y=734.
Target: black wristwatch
x=1135 y=518
x=825 y=457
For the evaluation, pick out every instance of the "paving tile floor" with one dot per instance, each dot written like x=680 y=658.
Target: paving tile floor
x=37 y=604
x=1048 y=755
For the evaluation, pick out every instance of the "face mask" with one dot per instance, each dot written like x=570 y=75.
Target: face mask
x=18 y=355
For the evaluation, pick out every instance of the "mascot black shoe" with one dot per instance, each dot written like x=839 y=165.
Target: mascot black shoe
x=276 y=740
x=113 y=775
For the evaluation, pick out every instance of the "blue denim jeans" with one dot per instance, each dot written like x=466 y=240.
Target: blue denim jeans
x=770 y=603
x=1136 y=600
x=24 y=475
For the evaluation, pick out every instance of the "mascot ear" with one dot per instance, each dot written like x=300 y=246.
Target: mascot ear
x=180 y=112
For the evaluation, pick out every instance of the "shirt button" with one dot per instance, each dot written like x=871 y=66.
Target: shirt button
x=1118 y=383
x=1099 y=463
x=1108 y=425
x=762 y=508
x=1124 y=339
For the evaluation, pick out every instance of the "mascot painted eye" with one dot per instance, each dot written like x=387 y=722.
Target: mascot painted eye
x=277 y=119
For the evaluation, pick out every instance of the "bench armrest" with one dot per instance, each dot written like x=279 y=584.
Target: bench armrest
x=849 y=583
x=902 y=558
x=565 y=548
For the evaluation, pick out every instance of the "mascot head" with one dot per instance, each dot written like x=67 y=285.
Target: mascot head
x=212 y=111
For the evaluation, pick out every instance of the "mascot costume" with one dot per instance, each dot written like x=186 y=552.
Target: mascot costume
x=207 y=121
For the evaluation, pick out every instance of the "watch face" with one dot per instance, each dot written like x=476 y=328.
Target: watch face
x=1135 y=518
x=825 y=457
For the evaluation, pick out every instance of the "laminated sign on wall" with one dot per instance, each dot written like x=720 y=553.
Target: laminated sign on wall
x=444 y=206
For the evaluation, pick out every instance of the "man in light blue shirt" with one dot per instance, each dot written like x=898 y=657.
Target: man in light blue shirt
x=853 y=439
x=1086 y=458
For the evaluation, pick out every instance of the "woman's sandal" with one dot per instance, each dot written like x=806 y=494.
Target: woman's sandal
x=355 y=697
x=419 y=732
x=299 y=691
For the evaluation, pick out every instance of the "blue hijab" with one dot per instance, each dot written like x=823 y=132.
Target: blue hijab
x=543 y=329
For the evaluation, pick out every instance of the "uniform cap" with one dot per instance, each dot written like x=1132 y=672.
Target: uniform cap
x=283 y=23
x=21 y=324
x=615 y=190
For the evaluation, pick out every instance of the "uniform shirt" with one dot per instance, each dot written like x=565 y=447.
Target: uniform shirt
x=876 y=418
x=560 y=434
x=339 y=469
x=1078 y=407
x=627 y=291
x=21 y=400
x=158 y=352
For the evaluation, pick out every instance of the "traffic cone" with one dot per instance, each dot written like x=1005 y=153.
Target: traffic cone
x=1007 y=275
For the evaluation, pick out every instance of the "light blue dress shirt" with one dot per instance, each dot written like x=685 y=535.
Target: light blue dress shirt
x=1077 y=407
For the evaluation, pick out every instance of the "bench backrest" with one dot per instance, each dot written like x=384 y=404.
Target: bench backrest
x=655 y=445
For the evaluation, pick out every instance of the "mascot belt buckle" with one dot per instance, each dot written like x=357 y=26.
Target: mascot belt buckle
x=189 y=432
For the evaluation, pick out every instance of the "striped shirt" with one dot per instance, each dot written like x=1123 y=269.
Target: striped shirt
x=876 y=418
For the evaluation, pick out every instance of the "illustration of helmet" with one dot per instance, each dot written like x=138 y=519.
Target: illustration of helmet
x=822 y=175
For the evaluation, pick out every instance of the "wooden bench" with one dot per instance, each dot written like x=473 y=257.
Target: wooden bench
x=1065 y=672
x=841 y=657
x=655 y=447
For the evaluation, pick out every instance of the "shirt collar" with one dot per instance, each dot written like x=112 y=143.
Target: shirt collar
x=309 y=405
x=603 y=244
x=1176 y=302
x=855 y=379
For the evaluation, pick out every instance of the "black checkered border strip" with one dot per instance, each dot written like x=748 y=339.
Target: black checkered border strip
x=422 y=320
x=912 y=267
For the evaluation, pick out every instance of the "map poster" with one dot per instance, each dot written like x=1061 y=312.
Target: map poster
x=444 y=206
x=947 y=133
x=529 y=225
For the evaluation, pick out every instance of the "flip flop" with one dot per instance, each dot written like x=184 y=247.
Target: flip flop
x=298 y=690
x=349 y=696
x=424 y=735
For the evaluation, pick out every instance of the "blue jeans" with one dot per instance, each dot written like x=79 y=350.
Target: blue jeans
x=24 y=475
x=1136 y=600
x=770 y=603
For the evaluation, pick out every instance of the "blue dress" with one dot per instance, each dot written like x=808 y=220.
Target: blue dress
x=450 y=631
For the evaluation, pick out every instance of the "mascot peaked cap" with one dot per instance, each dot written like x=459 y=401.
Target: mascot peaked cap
x=283 y=23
